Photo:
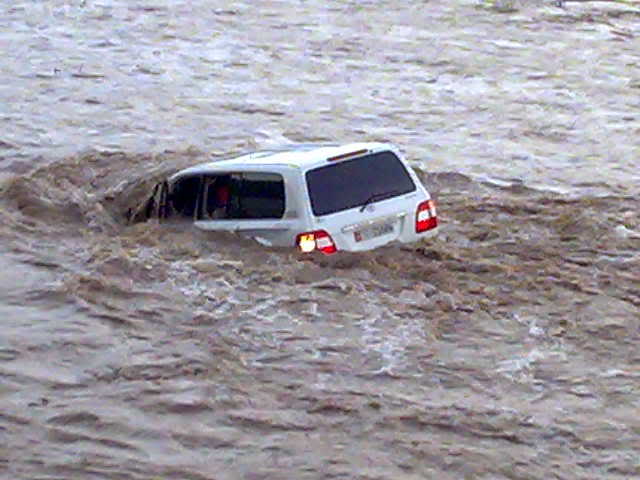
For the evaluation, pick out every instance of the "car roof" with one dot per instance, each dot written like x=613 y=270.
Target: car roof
x=305 y=156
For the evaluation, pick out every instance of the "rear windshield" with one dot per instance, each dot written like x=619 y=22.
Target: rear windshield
x=352 y=183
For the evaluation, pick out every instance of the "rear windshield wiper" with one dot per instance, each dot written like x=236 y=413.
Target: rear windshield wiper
x=378 y=196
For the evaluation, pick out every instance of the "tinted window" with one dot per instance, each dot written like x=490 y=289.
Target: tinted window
x=256 y=195
x=229 y=196
x=351 y=183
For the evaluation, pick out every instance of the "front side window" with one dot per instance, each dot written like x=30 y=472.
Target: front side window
x=353 y=183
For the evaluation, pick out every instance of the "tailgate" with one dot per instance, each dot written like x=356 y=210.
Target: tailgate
x=386 y=221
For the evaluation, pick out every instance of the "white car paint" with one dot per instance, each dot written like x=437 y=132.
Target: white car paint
x=392 y=219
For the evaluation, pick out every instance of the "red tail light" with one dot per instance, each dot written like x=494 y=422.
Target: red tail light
x=316 y=240
x=426 y=218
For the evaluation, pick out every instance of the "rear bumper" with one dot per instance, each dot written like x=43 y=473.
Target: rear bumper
x=428 y=234
x=402 y=239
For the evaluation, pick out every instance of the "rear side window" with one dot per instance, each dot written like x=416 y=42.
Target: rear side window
x=229 y=196
x=352 y=183
x=256 y=195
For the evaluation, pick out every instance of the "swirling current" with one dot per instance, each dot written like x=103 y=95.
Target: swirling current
x=505 y=348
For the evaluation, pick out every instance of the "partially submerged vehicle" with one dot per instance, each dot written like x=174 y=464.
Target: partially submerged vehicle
x=323 y=198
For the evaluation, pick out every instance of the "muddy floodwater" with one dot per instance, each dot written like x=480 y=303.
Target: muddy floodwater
x=505 y=348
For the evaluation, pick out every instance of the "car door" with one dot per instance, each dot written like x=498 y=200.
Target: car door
x=262 y=205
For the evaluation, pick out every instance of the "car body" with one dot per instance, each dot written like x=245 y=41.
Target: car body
x=325 y=198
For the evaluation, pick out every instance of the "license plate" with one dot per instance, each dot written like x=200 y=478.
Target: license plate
x=373 y=231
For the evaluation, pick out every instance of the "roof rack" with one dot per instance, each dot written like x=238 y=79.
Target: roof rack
x=284 y=148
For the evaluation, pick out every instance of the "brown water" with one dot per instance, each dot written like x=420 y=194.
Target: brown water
x=504 y=349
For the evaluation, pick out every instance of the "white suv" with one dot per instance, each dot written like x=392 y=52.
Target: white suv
x=315 y=197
